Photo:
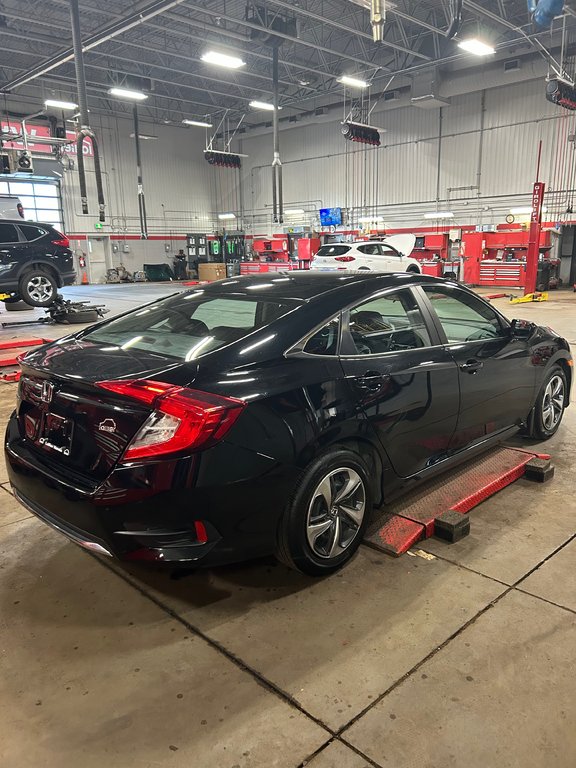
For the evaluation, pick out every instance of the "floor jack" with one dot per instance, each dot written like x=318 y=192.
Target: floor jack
x=529 y=298
x=65 y=312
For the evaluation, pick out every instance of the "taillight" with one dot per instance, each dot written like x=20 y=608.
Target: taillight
x=20 y=209
x=182 y=419
x=62 y=240
x=344 y=258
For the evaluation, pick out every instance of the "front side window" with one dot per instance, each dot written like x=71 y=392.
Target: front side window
x=8 y=233
x=389 y=323
x=463 y=317
x=188 y=326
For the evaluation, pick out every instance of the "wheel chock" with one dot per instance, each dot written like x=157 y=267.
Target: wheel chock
x=539 y=470
x=451 y=526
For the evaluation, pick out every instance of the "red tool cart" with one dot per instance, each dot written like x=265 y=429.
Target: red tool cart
x=499 y=258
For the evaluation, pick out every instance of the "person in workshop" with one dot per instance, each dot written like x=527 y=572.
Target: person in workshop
x=180 y=265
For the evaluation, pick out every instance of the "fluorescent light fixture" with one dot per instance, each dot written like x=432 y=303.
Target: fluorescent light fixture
x=476 y=47
x=353 y=82
x=223 y=216
x=144 y=136
x=128 y=93
x=223 y=60
x=294 y=211
x=525 y=211
x=439 y=215
x=57 y=104
x=197 y=123
x=263 y=105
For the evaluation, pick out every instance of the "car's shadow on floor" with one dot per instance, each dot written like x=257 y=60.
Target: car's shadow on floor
x=252 y=582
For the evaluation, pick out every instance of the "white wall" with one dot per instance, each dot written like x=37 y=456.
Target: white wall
x=488 y=153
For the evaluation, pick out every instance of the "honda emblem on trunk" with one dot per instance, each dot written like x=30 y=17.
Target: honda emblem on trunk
x=47 y=392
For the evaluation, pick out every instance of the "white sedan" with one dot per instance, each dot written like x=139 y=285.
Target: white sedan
x=386 y=255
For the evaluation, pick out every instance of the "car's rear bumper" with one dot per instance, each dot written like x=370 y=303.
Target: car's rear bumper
x=126 y=518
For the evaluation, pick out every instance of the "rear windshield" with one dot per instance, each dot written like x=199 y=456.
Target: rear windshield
x=333 y=250
x=190 y=325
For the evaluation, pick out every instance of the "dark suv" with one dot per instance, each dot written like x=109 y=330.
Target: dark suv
x=35 y=260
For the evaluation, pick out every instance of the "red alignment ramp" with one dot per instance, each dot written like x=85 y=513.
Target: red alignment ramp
x=411 y=519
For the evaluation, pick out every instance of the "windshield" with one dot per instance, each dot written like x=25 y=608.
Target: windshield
x=190 y=325
x=333 y=250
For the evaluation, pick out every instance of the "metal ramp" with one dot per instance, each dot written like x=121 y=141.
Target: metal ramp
x=441 y=506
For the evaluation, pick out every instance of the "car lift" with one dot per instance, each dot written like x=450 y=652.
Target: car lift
x=440 y=508
x=10 y=351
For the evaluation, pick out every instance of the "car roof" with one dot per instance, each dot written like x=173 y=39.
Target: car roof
x=308 y=285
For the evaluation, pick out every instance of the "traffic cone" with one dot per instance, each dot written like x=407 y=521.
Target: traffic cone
x=85 y=278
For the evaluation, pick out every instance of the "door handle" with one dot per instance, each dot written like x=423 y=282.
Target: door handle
x=472 y=366
x=370 y=380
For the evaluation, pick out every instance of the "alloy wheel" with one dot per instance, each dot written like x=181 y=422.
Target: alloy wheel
x=553 y=402
x=336 y=512
x=40 y=288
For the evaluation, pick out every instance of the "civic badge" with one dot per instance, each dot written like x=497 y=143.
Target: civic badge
x=108 y=425
x=47 y=392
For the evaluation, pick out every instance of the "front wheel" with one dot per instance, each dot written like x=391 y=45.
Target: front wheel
x=550 y=404
x=37 y=288
x=323 y=524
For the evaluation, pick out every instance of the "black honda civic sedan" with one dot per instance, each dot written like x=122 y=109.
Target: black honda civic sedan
x=271 y=414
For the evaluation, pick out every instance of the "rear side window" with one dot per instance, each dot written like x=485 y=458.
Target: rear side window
x=8 y=233
x=32 y=232
x=333 y=250
x=188 y=326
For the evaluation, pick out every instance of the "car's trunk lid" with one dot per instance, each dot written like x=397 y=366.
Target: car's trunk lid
x=70 y=421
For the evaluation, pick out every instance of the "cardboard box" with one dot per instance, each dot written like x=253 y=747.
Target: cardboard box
x=211 y=271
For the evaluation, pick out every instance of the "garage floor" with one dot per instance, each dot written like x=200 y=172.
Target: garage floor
x=454 y=655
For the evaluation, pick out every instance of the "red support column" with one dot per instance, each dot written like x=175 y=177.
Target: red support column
x=534 y=238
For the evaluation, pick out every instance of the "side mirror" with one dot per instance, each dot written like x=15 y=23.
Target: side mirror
x=522 y=329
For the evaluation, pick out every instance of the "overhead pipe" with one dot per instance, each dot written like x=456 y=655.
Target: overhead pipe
x=108 y=33
x=277 y=193
x=141 y=198
x=84 y=132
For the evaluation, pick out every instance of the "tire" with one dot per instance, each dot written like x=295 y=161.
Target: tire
x=317 y=535
x=413 y=270
x=37 y=288
x=83 y=316
x=550 y=404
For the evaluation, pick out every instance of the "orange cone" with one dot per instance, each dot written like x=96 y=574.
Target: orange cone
x=85 y=278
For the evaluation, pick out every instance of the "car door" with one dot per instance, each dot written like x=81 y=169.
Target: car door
x=402 y=378
x=367 y=257
x=391 y=259
x=497 y=378
x=10 y=250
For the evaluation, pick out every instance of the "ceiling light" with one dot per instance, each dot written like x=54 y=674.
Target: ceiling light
x=354 y=82
x=128 y=93
x=197 y=123
x=294 y=211
x=57 y=104
x=223 y=60
x=525 y=211
x=476 y=47
x=144 y=136
x=439 y=215
x=223 y=216
x=263 y=105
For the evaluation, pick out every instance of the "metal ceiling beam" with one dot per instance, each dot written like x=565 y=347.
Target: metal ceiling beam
x=329 y=22
x=112 y=30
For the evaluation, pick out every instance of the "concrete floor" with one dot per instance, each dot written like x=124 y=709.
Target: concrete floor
x=454 y=655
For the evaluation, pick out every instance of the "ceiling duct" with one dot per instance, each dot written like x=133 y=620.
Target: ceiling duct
x=270 y=21
x=426 y=91
x=364 y=134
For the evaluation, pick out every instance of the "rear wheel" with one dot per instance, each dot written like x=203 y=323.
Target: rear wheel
x=550 y=404
x=414 y=270
x=323 y=525
x=37 y=288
